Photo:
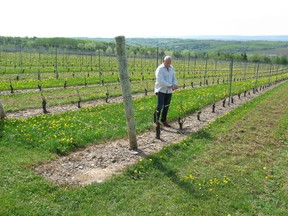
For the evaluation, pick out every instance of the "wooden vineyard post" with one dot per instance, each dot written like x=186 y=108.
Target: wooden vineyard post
x=56 y=64
x=230 y=80
x=257 y=74
x=126 y=90
x=2 y=111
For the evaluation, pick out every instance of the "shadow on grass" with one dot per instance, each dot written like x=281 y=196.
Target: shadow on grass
x=202 y=134
x=188 y=186
x=2 y=123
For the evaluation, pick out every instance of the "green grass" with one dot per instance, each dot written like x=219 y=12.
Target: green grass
x=60 y=96
x=29 y=74
x=65 y=132
x=237 y=165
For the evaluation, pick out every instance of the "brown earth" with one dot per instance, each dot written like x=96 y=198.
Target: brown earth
x=96 y=163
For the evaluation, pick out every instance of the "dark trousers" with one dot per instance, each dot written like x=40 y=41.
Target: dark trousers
x=163 y=103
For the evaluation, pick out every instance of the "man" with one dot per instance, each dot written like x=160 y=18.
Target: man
x=165 y=84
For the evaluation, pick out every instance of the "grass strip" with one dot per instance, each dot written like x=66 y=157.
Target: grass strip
x=235 y=166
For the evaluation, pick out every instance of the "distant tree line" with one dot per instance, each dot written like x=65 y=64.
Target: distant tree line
x=108 y=47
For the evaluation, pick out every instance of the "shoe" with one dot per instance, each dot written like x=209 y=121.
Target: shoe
x=165 y=124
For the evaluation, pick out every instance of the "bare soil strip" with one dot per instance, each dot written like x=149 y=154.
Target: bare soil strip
x=65 y=107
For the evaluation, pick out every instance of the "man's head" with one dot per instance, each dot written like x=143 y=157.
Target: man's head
x=167 y=61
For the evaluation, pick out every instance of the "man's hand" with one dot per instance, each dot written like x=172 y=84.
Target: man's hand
x=174 y=87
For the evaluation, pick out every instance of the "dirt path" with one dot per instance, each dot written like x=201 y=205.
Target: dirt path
x=98 y=162
x=65 y=107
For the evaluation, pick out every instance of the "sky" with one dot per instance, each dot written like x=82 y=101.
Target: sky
x=149 y=18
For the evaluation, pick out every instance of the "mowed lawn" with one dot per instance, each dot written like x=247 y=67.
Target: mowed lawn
x=238 y=165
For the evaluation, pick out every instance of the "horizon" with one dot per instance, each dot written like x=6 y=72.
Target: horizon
x=168 y=37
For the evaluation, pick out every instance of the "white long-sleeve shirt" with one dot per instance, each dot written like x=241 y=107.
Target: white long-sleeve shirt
x=165 y=78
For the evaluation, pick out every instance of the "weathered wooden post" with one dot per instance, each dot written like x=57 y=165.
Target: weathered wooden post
x=79 y=99
x=2 y=111
x=126 y=90
x=230 y=80
x=56 y=64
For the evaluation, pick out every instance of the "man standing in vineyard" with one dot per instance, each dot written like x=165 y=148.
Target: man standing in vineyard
x=165 y=84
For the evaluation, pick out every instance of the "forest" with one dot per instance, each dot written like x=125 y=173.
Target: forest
x=243 y=50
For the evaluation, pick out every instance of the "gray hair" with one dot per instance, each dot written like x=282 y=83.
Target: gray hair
x=167 y=57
